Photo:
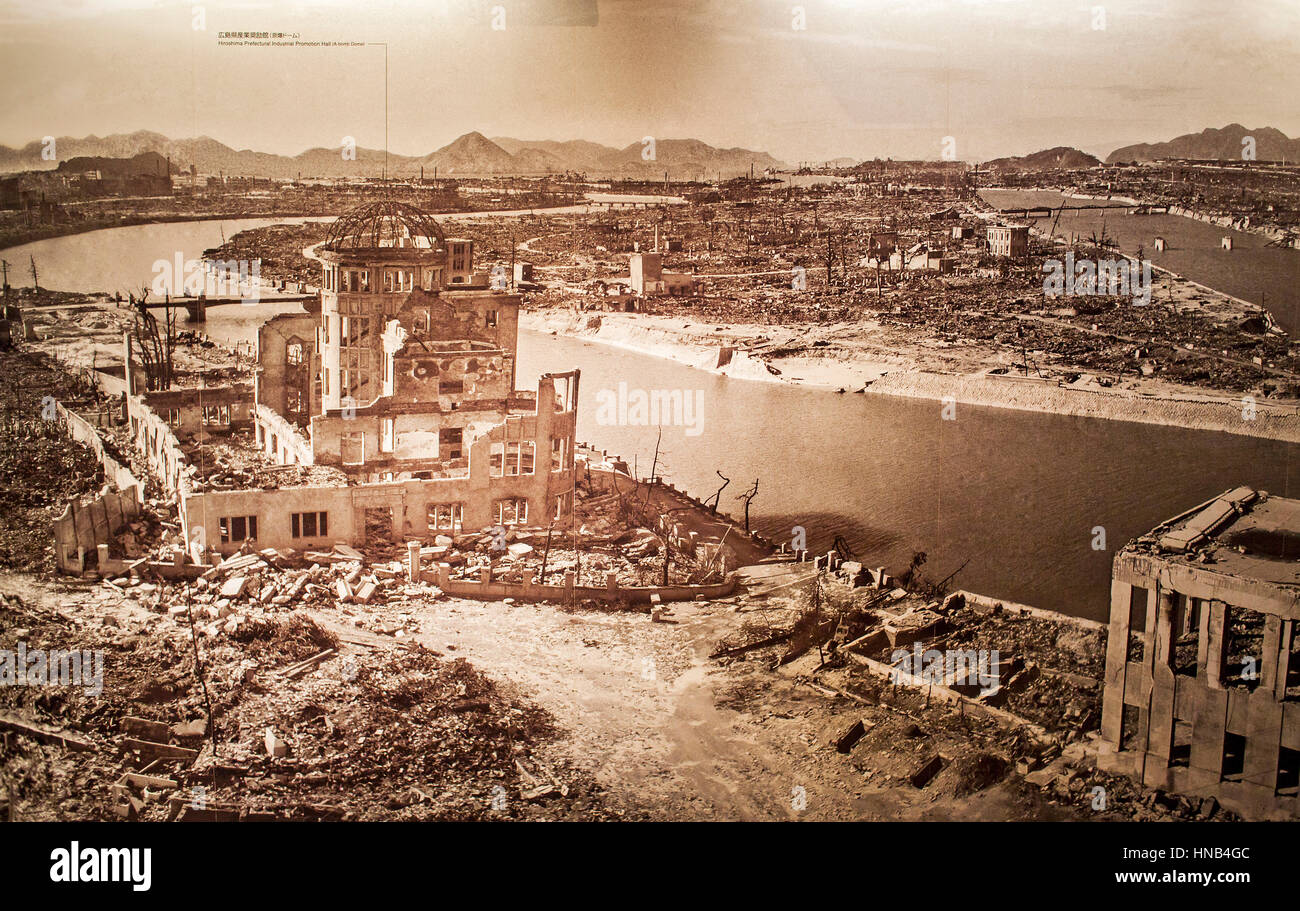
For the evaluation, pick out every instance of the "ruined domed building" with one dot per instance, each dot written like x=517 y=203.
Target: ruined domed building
x=401 y=391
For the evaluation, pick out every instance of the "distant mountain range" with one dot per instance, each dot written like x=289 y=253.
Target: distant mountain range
x=470 y=155
x=475 y=155
x=1059 y=157
x=1224 y=145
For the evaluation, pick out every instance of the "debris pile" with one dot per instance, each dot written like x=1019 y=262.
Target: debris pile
x=286 y=719
x=41 y=467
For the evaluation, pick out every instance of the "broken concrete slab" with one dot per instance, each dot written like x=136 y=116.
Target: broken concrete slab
x=146 y=729
x=845 y=742
x=275 y=747
x=925 y=772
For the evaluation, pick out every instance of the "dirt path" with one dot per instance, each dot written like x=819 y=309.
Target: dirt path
x=667 y=732
x=672 y=733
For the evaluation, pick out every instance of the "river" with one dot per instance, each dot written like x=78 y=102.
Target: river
x=1252 y=270
x=1018 y=494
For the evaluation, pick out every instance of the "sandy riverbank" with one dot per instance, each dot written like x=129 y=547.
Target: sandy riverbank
x=822 y=356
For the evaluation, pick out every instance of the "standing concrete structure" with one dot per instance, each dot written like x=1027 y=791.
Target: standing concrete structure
x=1008 y=240
x=1202 y=691
x=402 y=391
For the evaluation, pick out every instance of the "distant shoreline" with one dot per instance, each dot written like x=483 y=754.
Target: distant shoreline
x=1192 y=411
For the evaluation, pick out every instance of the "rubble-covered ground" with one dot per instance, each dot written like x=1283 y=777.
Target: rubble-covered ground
x=400 y=702
x=397 y=731
x=41 y=467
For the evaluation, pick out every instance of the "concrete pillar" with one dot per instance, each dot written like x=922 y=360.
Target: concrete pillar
x=611 y=581
x=1285 y=634
x=1268 y=657
x=1208 y=728
x=1263 y=736
x=413 y=560
x=128 y=372
x=1160 y=713
x=528 y=580
x=1112 y=709
x=1216 y=645
x=485 y=575
x=444 y=575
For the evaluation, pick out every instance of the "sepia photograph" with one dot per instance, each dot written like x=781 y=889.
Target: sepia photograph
x=626 y=412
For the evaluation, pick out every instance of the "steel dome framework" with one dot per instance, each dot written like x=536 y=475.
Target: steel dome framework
x=385 y=224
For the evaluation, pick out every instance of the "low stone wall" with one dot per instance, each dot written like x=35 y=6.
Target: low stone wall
x=486 y=590
x=753 y=545
x=83 y=528
x=84 y=433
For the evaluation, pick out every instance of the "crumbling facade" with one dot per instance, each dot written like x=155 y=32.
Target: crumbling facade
x=1202 y=690
x=402 y=391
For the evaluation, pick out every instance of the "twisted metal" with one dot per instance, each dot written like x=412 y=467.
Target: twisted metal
x=385 y=224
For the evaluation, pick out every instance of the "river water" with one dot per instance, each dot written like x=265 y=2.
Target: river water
x=1252 y=270
x=1018 y=494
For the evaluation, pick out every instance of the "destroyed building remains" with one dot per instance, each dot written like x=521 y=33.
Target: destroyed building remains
x=1201 y=693
x=390 y=413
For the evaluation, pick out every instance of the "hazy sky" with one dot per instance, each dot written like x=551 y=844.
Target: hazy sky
x=864 y=78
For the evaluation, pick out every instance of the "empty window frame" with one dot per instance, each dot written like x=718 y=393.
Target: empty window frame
x=310 y=524
x=446 y=516
x=216 y=414
x=1137 y=624
x=1186 y=634
x=1288 y=772
x=451 y=441
x=1180 y=750
x=1234 y=757
x=510 y=459
x=511 y=511
x=1244 y=633
x=352 y=447
x=235 y=529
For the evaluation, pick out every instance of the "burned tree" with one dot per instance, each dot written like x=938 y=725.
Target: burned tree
x=717 y=496
x=748 y=497
x=155 y=348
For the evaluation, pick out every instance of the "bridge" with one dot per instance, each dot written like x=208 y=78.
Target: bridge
x=196 y=307
x=1047 y=211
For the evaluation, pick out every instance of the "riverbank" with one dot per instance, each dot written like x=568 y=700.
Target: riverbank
x=1229 y=222
x=864 y=358
x=11 y=239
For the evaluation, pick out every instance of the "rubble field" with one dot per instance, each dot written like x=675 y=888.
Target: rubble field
x=305 y=723
x=41 y=467
x=744 y=243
